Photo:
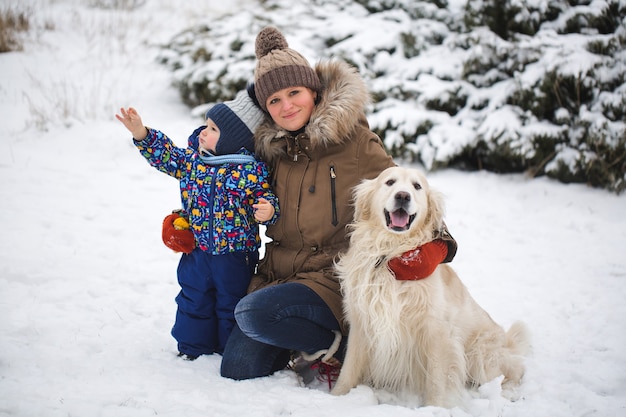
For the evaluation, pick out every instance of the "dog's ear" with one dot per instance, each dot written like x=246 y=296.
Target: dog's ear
x=436 y=209
x=362 y=196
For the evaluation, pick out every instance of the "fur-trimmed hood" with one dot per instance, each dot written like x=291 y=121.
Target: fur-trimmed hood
x=340 y=109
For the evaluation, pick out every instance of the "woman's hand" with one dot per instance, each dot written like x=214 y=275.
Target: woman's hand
x=420 y=262
x=263 y=210
x=131 y=119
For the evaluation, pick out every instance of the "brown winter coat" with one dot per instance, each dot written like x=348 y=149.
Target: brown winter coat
x=313 y=175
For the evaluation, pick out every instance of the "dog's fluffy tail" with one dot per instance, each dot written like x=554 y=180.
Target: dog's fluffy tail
x=518 y=339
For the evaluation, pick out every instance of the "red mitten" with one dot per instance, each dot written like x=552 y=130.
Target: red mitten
x=177 y=240
x=420 y=262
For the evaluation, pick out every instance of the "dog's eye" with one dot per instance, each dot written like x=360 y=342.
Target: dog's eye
x=390 y=182
x=417 y=185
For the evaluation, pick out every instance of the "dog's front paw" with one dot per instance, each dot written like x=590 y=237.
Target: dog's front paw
x=340 y=389
x=511 y=392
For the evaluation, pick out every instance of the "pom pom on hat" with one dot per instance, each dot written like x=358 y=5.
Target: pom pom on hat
x=279 y=66
x=267 y=40
x=237 y=120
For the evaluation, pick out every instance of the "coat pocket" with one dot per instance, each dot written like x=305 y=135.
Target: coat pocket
x=333 y=195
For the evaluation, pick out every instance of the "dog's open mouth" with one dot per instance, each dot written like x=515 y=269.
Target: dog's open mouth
x=399 y=220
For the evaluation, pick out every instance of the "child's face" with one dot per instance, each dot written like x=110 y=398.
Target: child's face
x=209 y=136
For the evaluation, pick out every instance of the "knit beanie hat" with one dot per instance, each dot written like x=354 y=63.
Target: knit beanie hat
x=279 y=66
x=237 y=120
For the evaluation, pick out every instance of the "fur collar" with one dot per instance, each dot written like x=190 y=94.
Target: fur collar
x=341 y=108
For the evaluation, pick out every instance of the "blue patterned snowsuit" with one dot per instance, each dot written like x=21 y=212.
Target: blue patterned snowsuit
x=218 y=201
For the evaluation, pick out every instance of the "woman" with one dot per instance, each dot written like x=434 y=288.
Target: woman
x=318 y=146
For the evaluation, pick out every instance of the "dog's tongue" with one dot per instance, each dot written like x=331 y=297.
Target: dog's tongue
x=399 y=218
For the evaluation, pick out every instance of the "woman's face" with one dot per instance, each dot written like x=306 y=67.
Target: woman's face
x=291 y=107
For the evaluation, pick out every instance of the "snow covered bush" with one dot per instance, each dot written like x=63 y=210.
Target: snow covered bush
x=504 y=85
x=13 y=22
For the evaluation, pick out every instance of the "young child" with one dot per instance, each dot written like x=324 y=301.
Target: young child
x=225 y=194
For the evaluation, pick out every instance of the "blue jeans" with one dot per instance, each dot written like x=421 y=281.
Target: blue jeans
x=273 y=322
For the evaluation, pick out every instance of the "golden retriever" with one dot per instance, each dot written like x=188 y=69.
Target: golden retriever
x=426 y=338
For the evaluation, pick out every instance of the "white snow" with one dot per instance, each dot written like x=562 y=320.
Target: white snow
x=87 y=299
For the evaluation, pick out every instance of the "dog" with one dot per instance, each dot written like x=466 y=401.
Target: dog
x=426 y=338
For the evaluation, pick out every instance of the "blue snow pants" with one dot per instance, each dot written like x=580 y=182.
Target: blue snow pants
x=211 y=286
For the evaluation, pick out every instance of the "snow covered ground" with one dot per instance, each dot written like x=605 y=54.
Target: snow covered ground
x=87 y=287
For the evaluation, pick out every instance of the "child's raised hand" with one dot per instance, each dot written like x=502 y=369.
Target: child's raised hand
x=263 y=210
x=131 y=119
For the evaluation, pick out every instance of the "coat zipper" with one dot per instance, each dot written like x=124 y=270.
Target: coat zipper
x=333 y=195
x=210 y=213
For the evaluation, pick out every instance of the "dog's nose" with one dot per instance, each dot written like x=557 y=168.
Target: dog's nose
x=403 y=197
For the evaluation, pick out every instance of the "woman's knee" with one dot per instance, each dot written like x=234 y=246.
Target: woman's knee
x=258 y=312
x=252 y=313
x=245 y=358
